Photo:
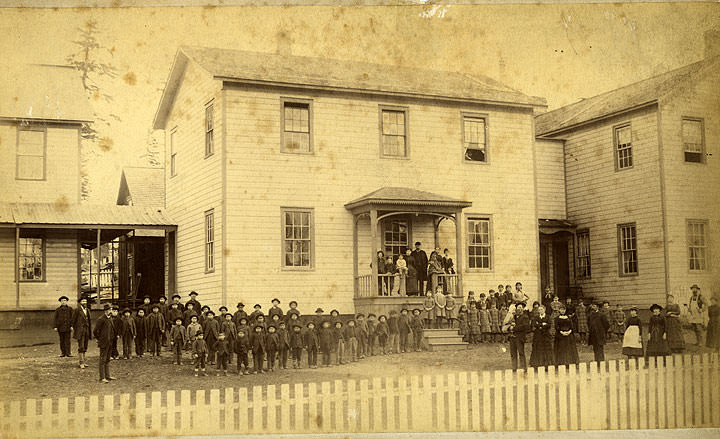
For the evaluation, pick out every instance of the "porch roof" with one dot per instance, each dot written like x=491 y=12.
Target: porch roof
x=550 y=226
x=83 y=216
x=408 y=198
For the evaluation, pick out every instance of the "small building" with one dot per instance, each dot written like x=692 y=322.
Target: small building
x=286 y=174
x=641 y=176
x=44 y=225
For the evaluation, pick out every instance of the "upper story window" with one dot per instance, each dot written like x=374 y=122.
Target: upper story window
x=173 y=153
x=583 y=254
x=474 y=138
x=209 y=141
x=479 y=244
x=30 y=153
x=296 y=127
x=697 y=245
x=693 y=138
x=627 y=249
x=31 y=254
x=623 y=147
x=393 y=132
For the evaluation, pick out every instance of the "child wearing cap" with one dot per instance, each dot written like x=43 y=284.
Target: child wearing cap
x=293 y=310
x=155 y=328
x=189 y=312
x=272 y=342
x=372 y=335
x=116 y=321
x=416 y=325
x=404 y=330
x=296 y=345
x=222 y=347
x=228 y=327
x=199 y=351
x=129 y=333
x=242 y=347
x=311 y=341
x=173 y=313
x=193 y=299
x=176 y=299
x=239 y=314
x=259 y=347
x=339 y=343
x=351 y=341
x=221 y=317
x=257 y=312
x=210 y=329
x=178 y=338
x=393 y=333
x=334 y=317
x=319 y=318
x=63 y=325
x=381 y=332
x=242 y=325
x=284 y=347
x=275 y=309
x=203 y=315
x=141 y=332
x=146 y=305
x=192 y=329
x=362 y=335
x=325 y=334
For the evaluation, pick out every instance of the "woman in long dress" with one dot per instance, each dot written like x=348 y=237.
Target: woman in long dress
x=675 y=339
x=712 y=338
x=542 y=347
x=657 y=344
x=565 y=348
x=632 y=345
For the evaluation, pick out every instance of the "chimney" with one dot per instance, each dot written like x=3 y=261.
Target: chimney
x=712 y=43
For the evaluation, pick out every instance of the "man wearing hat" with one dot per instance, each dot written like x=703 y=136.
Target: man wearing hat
x=176 y=299
x=255 y=314
x=275 y=309
x=193 y=299
x=82 y=329
x=63 y=325
x=421 y=262
x=696 y=307
x=104 y=334
x=598 y=326
x=221 y=317
x=239 y=314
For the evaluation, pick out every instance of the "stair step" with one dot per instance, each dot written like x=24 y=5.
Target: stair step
x=453 y=346
x=438 y=339
x=427 y=332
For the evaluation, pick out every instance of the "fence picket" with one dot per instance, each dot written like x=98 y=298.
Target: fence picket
x=622 y=394
x=660 y=385
x=532 y=407
x=326 y=417
x=688 y=381
x=339 y=410
x=643 y=402
x=613 y=394
x=124 y=417
x=214 y=415
x=107 y=413
x=242 y=404
x=298 y=406
x=451 y=403
x=440 y=402
x=31 y=414
x=285 y=408
x=562 y=398
x=185 y=410
x=46 y=414
x=172 y=408
x=508 y=380
x=352 y=416
x=573 y=403
x=669 y=379
x=652 y=394
x=257 y=406
x=498 y=423
x=200 y=411
x=715 y=388
x=364 y=407
x=542 y=399
x=63 y=416
x=697 y=410
x=80 y=414
x=520 y=382
x=632 y=396
x=271 y=408
x=487 y=420
x=229 y=410
x=423 y=404
x=552 y=398
x=402 y=404
x=705 y=386
x=679 y=380
x=599 y=378
x=377 y=424
x=15 y=415
x=93 y=410
x=463 y=388
x=389 y=383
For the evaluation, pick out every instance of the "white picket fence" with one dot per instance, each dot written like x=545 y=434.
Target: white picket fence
x=682 y=392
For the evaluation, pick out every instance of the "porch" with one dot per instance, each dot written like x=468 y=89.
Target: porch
x=390 y=220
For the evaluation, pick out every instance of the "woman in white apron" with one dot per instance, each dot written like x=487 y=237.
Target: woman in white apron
x=632 y=344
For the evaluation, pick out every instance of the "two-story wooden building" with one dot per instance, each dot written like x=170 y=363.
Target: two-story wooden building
x=43 y=223
x=286 y=174
x=642 y=179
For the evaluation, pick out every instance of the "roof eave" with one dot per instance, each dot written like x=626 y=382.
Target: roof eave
x=171 y=85
x=46 y=120
x=560 y=130
x=356 y=204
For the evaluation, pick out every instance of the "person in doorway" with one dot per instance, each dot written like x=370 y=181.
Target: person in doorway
x=598 y=326
x=104 y=334
x=82 y=328
x=63 y=322
x=421 y=261
x=696 y=307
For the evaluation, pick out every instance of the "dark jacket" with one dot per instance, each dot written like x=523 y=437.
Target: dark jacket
x=296 y=340
x=141 y=326
x=103 y=332
x=242 y=345
x=338 y=334
x=392 y=324
x=196 y=305
x=63 y=318
x=155 y=324
x=404 y=324
x=311 y=339
x=128 y=327
x=272 y=342
x=199 y=347
x=228 y=327
x=273 y=310
x=173 y=315
x=522 y=326
x=284 y=337
x=211 y=329
x=222 y=347
x=187 y=315
x=351 y=332
x=381 y=329
x=325 y=335
x=82 y=323
x=257 y=342
x=239 y=314
x=178 y=335
x=598 y=326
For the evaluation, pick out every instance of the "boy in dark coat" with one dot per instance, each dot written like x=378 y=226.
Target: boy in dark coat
x=173 y=313
x=372 y=335
x=405 y=330
x=416 y=326
x=242 y=348
x=129 y=332
x=272 y=342
x=254 y=315
x=319 y=318
x=211 y=329
x=311 y=341
x=296 y=345
x=284 y=348
x=351 y=341
x=598 y=325
x=162 y=303
x=176 y=299
x=193 y=299
x=325 y=335
x=362 y=335
x=257 y=342
x=178 y=338
x=63 y=322
x=221 y=317
x=199 y=351
x=224 y=351
x=275 y=309
x=239 y=314
x=381 y=332
x=293 y=310
x=190 y=311
x=141 y=332
x=339 y=343
x=393 y=332
x=146 y=306
x=104 y=335
x=117 y=327
x=228 y=327
x=82 y=330
x=155 y=328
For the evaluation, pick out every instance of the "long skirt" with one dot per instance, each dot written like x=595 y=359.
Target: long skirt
x=542 y=350
x=657 y=346
x=675 y=339
x=565 y=349
x=632 y=343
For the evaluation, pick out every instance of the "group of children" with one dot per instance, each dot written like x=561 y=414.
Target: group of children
x=261 y=342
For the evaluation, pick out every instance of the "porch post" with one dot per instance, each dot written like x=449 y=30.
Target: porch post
x=355 y=255
x=436 y=232
x=98 y=264
x=373 y=250
x=459 y=251
x=17 y=267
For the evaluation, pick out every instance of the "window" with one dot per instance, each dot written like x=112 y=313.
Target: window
x=697 y=245
x=583 y=254
x=32 y=259
x=395 y=236
x=693 y=137
x=209 y=146
x=296 y=127
x=31 y=143
x=627 y=243
x=209 y=241
x=474 y=131
x=297 y=238
x=173 y=153
x=479 y=243
x=393 y=132
x=623 y=147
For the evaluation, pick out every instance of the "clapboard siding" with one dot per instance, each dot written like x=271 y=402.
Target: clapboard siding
x=599 y=198
x=346 y=165
x=61 y=184
x=691 y=189
x=197 y=187
x=60 y=278
x=550 y=178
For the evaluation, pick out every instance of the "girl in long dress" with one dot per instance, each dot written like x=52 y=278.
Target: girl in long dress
x=440 y=303
x=463 y=322
x=657 y=344
x=565 y=348
x=582 y=324
x=542 y=347
x=676 y=341
x=473 y=324
x=429 y=309
x=632 y=345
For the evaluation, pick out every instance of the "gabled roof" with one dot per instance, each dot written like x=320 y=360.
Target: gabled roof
x=405 y=196
x=630 y=97
x=43 y=92
x=340 y=75
x=145 y=186
x=84 y=216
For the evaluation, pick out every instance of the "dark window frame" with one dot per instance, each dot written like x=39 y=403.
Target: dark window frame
x=311 y=238
x=705 y=247
x=584 y=270
x=388 y=221
x=43 y=239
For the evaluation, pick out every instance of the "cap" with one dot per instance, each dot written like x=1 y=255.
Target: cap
x=106 y=307
x=292 y=302
x=223 y=308
x=405 y=309
x=334 y=311
x=205 y=307
x=339 y=323
x=117 y=308
x=146 y=297
x=416 y=310
x=178 y=318
x=126 y=311
x=319 y=310
x=276 y=300
x=358 y=315
x=297 y=326
x=198 y=333
x=240 y=305
x=257 y=306
x=162 y=297
x=272 y=326
x=371 y=315
x=695 y=287
x=155 y=306
x=210 y=312
x=310 y=323
x=194 y=293
x=655 y=306
x=176 y=295
x=63 y=298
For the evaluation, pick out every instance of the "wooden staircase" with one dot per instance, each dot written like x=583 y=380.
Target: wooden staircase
x=444 y=339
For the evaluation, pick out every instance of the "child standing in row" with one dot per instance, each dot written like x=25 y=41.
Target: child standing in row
x=473 y=314
x=582 y=323
x=199 y=351
x=222 y=347
x=484 y=318
x=296 y=346
x=178 y=338
x=416 y=325
x=494 y=321
x=242 y=349
x=404 y=329
x=381 y=331
x=311 y=341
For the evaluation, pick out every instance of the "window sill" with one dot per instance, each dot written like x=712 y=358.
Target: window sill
x=390 y=157
x=28 y=281
x=210 y=271
x=297 y=269
x=475 y=162
x=479 y=270
x=30 y=179
x=207 y=156
x=630 y=275
x=310 y=153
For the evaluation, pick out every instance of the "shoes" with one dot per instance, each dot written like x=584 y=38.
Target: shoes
x=111 y=378
x=104 y=381
x=205 y=374
x=226 y=374
x=196 y=374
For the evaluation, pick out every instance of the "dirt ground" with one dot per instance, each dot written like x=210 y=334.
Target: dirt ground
x=38 y=372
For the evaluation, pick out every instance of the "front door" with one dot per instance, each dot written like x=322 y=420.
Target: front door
x=561 y=267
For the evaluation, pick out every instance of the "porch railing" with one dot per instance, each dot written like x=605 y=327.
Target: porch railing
x=386 y=285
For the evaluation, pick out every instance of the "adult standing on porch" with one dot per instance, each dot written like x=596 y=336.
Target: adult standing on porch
x=104 y=334
x=696 y=306
x=82 y=329
x=63 y=325
x=421 y=262
x=411 y=281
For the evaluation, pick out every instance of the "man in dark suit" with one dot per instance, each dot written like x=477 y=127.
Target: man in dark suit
x=193 y=299
x=517 y=326
x=63 y=325
x=421 y=261
x=82 y=326
x=104 y=334
x=598 y=326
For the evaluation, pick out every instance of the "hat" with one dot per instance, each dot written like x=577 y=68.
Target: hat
x=418 y=243
x=633 y=308
x=271 y=326
x=178 y=318
x=334 y=311
x=695 y=287
x=416 y=310
x=176 y=295
x=126 y=311
x=258 y=326
x=358 y=315
x=382 y=316
x=63 y=298
x=193 y=293
x=198 y=333
x=292 y=302
x=162 y=297
x=339 y=323
x=297 y=326
x=276 y=300
x=210 y=312
x=240 y=305
x=106 y=307
x=655 y=306
x=243 y=318
x=146 y=297
x=319 y=310
x=257 y=306
x=404 y=309
x=310 y=323
x=282 y=323
x=117 y=308
x=205 y=307
x=175 y=304
x=371 y=315
x=223 y=308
